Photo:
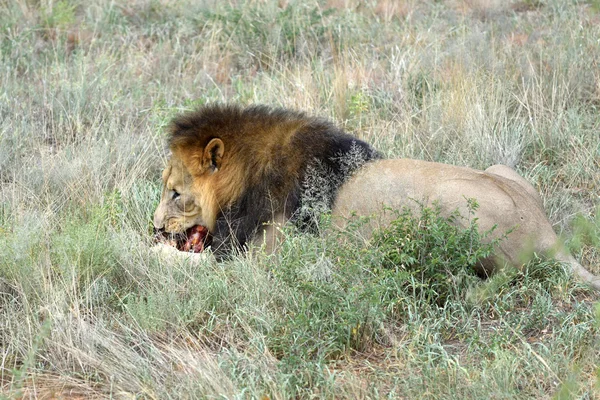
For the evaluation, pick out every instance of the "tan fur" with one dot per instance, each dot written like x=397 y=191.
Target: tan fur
x=505 y=200
x=213 y=191
x=509 y=173
x=197 y=204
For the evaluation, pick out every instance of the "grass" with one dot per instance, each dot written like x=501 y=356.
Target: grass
x=86 y=309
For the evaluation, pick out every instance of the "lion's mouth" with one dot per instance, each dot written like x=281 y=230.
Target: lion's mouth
x=193 y=240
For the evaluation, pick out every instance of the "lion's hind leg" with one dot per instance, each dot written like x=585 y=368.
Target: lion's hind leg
x=507 y=172
x=546 y=241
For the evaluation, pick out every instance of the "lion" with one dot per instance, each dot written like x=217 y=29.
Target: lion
x=237 y=174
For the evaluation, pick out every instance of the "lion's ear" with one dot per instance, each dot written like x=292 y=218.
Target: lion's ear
x=213 y=154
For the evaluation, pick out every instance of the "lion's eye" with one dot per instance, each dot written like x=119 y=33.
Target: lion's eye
x=176 y=195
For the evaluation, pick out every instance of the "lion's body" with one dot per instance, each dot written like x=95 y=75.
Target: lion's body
x=506 y=201
x=236 y=172
x=398 y=183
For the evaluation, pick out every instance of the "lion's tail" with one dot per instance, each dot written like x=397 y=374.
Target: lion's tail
x=579 y=270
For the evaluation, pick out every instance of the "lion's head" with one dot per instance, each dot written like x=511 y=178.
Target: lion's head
x=188 y=208
x=233 y=170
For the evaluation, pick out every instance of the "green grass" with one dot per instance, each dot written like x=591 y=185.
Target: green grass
x=87 y=309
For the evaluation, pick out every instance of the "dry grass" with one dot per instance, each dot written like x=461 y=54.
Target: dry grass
x=85 y=92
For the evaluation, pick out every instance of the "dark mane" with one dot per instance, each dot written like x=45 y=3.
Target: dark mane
x=294 y=164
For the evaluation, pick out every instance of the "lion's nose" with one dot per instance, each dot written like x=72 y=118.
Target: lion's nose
x=159 y=221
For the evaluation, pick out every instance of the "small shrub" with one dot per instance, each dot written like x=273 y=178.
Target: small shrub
x=437 y=257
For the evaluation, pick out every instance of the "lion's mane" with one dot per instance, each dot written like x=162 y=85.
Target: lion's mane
x=277 y=161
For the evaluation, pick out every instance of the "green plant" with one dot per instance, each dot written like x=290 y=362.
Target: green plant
x=437 y=256
x=586 y=231
x=60 y=14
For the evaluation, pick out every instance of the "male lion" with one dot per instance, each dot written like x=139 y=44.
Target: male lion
x=235 y=172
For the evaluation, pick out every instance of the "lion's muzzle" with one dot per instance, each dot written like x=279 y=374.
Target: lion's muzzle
x=193 y=240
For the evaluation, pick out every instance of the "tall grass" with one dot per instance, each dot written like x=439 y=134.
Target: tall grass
x=86 y=309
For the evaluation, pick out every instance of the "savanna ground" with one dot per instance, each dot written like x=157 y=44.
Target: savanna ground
x=86 y=310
